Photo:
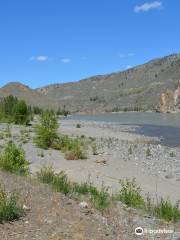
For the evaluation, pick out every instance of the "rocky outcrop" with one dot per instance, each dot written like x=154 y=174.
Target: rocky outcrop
x=170 y=101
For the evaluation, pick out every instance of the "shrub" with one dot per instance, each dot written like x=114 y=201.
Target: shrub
x=63 y=111
x=13 y=110
x=94 y=148
x=37 y=110
x=78 y=125
x=148 y=152
x=46 y=174
x=61 y=184
x=13 y=160
x=21 y=113
x=130 y=194
x=9 y=209
x=46 y=131
x=130 y=151
x=172 y=154
x=73 y=147
x=164 y=209
x=76 y=152
x=84 y=188
x=101 y=199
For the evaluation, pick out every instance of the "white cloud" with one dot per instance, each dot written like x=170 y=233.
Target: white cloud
x=148 y=6
x=65 y=60
x=128 y=66
x=40 y=58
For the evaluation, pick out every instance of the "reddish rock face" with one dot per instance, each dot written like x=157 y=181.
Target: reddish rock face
x=169 y=101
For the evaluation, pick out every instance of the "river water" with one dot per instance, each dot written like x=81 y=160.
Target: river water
x=164 y=126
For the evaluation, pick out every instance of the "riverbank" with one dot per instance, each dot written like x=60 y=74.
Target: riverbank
x=121 y=153
x=126 y=154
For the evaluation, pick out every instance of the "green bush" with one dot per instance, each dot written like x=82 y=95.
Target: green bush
x=13 y=160
x=130 y=194
x=46 y=174
x=75 y=153
x=46 y=131
x=9 y=209
x=61 y=184
x=164 y=209
x=74 y=148
x=172 y=154
x=148 y=152
x=16 y=111
x=21 y=113
x=101 y=199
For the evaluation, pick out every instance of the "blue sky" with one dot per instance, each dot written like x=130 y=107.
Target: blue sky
x=55 y=41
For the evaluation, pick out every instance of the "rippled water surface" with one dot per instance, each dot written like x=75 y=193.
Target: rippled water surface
x=166 y=126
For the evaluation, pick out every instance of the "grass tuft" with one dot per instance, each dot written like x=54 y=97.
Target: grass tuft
x=130 y=194
x=100 y=199
x=13 y=160
x=9 y=209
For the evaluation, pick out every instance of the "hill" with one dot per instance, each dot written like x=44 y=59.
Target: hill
x=138 y=88
x=32 y=97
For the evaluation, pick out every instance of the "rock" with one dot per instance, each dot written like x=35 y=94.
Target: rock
x=169 y=176
x=104 y=162
x=83 y=204
x=26 y=208
x=169 y=101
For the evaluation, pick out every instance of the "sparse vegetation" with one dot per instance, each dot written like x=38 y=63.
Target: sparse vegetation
x=78 y=125
x=9 y=209
x=164 y=209
x=130 y=151
x=172 y=154
x=59 y=181
x=74 y=148
x=13 y=160
x=46 y=131
x=94 y=148
x=93 y=99
x=62 y=111
x=148 y=152
x=130 y=194
x=46 y=174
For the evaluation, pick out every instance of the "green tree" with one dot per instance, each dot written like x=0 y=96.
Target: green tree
x=46 y=131
x=21 y=113
x=14 y=110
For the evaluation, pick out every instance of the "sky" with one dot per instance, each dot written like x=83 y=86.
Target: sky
x=56 y=41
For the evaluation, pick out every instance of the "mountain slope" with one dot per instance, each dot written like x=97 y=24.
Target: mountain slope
x=136 y=88
x=139 y=88
x=32 y=97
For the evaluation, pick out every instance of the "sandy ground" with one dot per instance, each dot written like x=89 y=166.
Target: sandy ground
x=158 y=174
x=53 y=216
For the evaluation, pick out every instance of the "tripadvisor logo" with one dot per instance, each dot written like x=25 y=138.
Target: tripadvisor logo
x=139 y=231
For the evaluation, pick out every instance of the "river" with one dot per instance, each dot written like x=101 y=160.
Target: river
x=164 y=126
